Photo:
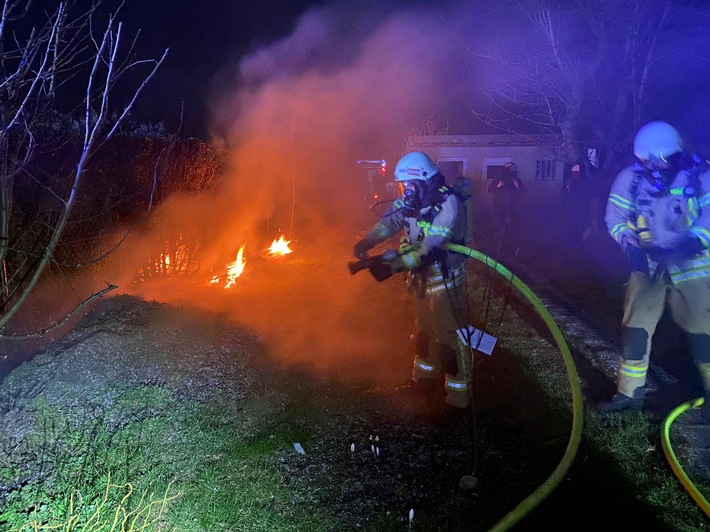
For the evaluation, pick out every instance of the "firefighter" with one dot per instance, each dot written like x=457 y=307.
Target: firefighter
x=658 y=211
x=429 y=216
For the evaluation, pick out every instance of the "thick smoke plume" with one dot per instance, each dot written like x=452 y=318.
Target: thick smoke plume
x=347 y=84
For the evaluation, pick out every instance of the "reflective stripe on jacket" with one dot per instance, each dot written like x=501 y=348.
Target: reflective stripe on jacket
x=447 y=225
x=671 y=215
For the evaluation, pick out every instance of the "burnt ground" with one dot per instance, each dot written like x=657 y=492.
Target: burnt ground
x=519 y=437
x=418 y=463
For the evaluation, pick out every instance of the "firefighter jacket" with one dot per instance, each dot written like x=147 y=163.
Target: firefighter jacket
x=672 y=213
x=425 y=236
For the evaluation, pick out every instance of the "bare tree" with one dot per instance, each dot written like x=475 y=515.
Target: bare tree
x=41 y=65
x=582 y=69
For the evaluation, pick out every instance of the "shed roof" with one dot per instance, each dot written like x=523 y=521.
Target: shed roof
x=483 y=140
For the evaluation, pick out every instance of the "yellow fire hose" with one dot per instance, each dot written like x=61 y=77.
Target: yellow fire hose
x=512 y=517
x=532 y=500
x=701 y=501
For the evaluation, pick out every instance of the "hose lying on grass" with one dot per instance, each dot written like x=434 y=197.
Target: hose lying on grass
x=701 y=501
x=522 y=509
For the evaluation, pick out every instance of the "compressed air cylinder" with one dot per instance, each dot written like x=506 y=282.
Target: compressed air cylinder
x=642 y=230
x=463 y=189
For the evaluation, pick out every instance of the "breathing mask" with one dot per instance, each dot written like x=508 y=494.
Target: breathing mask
x=661 y=173
x=412 y=197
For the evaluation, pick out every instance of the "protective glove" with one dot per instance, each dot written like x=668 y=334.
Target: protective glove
x=657 y=253
x=686 y=247
x=638 y=260
x=361 y=248
x=381 y=271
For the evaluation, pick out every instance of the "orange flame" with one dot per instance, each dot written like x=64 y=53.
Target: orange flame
x=280 y=247
x=236 y=268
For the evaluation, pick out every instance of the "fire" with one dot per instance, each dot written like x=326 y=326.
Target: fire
x=234 y=269
x=280 y=247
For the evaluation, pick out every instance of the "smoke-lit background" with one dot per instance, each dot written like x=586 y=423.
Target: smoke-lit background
x=296 y=93
x=346 y=84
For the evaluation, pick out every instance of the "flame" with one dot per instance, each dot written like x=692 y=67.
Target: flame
x=235 y=269
x=280 y=247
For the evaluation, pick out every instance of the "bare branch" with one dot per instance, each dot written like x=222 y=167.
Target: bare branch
x=149 y=209
x=32 y=71
x=42 y=332
x=137 y=93
x=584 y=68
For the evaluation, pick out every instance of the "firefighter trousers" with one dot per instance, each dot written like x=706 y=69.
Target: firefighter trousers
x=644 y=304
x=437 y=347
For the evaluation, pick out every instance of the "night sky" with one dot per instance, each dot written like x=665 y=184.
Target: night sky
x=219 y=48
x=204 y=38
x=208 y=40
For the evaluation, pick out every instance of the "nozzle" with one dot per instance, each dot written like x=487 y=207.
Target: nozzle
x=356 y=265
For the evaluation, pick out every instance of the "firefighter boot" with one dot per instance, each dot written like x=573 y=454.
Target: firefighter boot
x=451 y=415
x=620 y=402
x=420 y=390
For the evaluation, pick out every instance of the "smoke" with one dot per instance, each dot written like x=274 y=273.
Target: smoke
x=348 y=83
x=344 y=86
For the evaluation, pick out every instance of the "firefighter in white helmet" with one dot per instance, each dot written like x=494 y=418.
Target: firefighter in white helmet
x=430 y=216
x=658 y=211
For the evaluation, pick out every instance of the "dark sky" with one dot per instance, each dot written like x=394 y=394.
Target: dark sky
x=203 y=37
x=221 y=48
x=208 y=39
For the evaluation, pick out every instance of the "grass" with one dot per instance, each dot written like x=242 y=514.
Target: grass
x=147 y=460
x=623 y=449
x=632 y=443
x=95 y=474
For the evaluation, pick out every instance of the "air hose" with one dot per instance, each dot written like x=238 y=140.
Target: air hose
x=532 y=500
x=701 y=501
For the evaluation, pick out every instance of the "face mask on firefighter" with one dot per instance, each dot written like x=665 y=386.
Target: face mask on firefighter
x=660 y=172
x=412 y=197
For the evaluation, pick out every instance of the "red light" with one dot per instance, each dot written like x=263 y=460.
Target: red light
x=383 y=168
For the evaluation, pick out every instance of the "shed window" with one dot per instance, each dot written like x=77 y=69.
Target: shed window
x=545 y=170
x=493 y=166
x=452 y=168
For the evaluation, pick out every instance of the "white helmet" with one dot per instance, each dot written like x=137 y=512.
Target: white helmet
x=657 y=140
x=415 y=165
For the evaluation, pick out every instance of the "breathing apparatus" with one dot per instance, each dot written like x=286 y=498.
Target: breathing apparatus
x=694 y=187
x=412 y=198
x=661 y=178
x=659 y=152
x=415 y=171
